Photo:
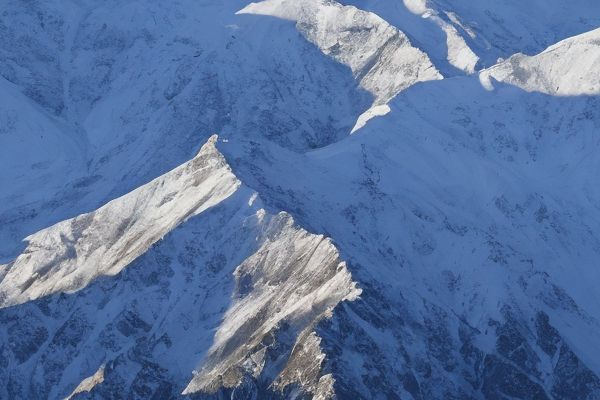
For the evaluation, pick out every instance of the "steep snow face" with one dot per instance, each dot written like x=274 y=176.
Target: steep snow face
x=291 y=282
x=459 y=53
x=442 y=39
x=381 y=57
x=146 y=330
x=469 y=218
x=568 y=68
x=153 y=83
x=133 y=96
x=459 y=225
x=460 y=35
x=502 y=29
x=69 y=255
x=25 y=166
x=31 y=48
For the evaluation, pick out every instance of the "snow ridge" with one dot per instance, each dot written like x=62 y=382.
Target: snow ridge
x=286 y=282
x=381 y=58
x=554 y=71
x=446 y=250
x=70 y=254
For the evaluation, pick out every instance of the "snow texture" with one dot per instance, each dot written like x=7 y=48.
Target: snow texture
x=391 y=200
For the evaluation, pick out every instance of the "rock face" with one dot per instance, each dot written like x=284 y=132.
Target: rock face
x=214 y=258
x=380 y=56
x=445 y=250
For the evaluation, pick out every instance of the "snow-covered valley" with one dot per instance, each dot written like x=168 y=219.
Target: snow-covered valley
x=361 y=199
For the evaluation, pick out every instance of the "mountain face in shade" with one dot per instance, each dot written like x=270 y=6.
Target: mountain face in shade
x=305 y=199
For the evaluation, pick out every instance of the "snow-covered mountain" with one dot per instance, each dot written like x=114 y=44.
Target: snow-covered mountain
x=560 y=70
x=299 y=199
x=209 y=260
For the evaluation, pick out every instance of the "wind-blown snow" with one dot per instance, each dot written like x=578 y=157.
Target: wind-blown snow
x=293 y=280
x=457 y=33
x=381 y=57
x=69 y=255
x=459 y=53
x=446 y=249
x=287 y=281
x=568 y=68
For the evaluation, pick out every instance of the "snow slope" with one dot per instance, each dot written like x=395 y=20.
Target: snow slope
x=472 y=215
x=554 y=71
x=221 y=261
x=445 y=250
x=158 y=81
x=461 y=34
x=380 y=57
x=69 y=255
x=151 y=85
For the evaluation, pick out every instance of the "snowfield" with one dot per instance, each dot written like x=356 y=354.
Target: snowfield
x=281 y=199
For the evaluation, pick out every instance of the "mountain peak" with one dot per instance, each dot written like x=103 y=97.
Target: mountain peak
x=67 y=256
x=400 y=199
x=553 y=71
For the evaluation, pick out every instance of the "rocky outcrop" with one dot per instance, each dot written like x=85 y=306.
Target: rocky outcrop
x=208 y=256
